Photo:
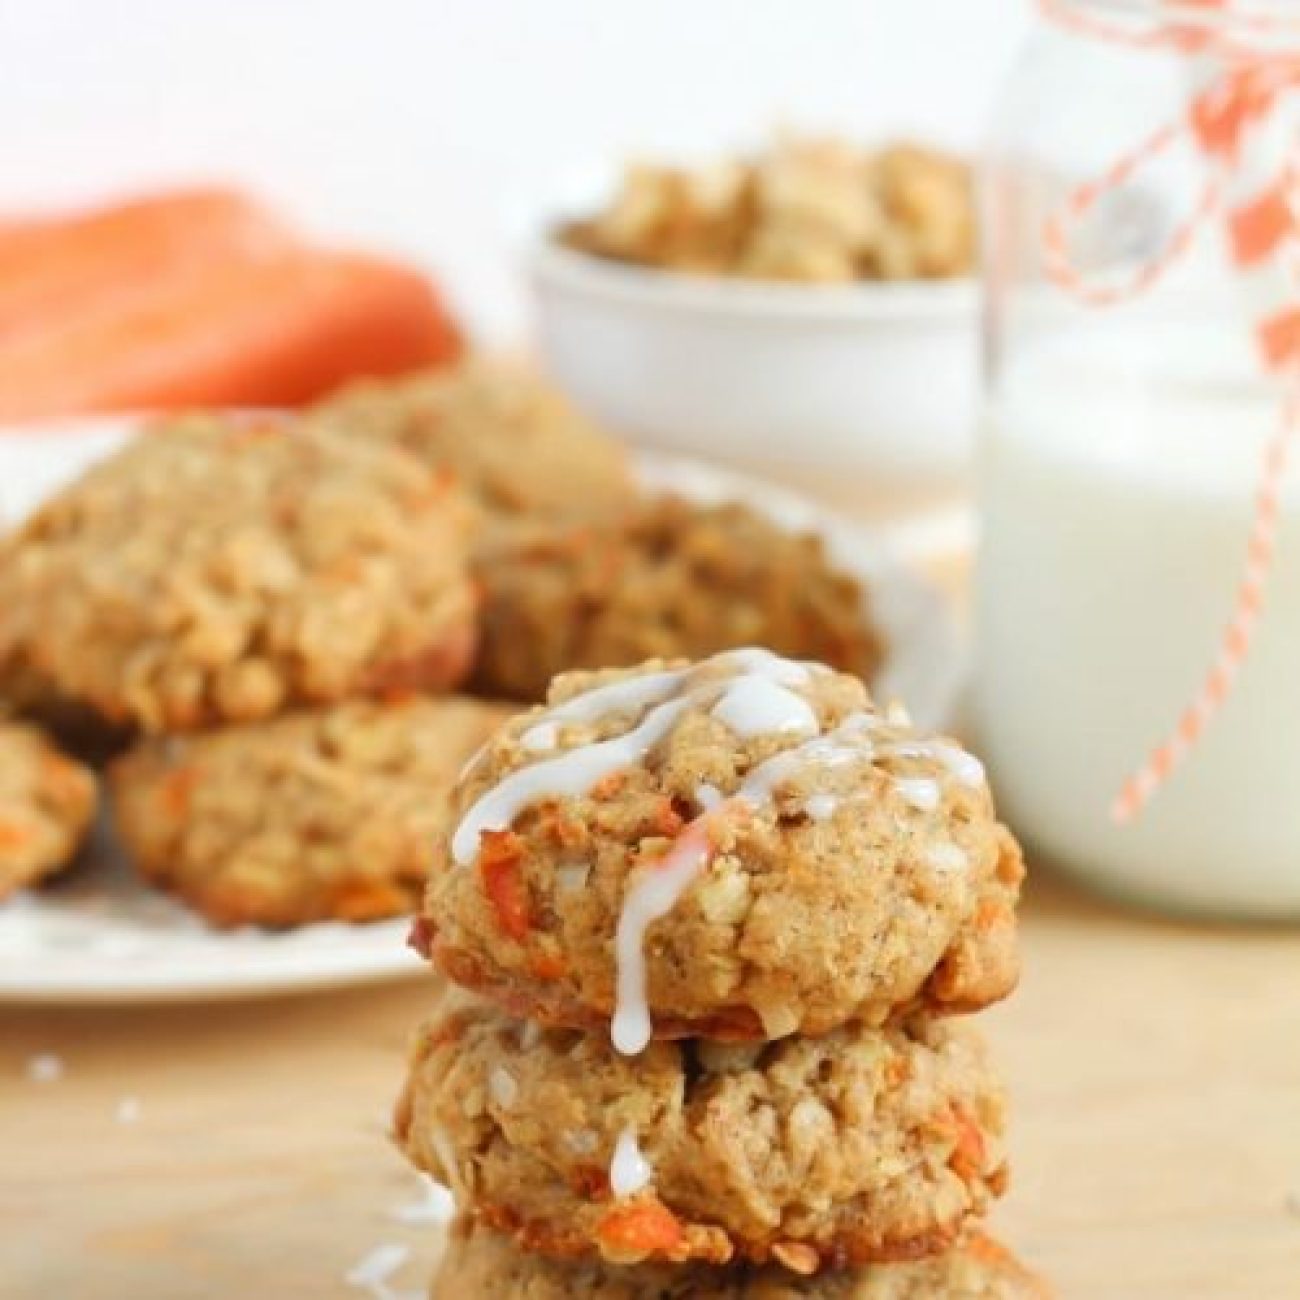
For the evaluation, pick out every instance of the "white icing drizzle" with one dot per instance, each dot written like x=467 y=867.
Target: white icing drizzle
x=755 y=705
x=575 y=771
x=652 y=894
x=708 y=796
x=629 y=1171
x=821 y=807
x=572 y=773
x=775 y=667
x=629 y=696
x=921 y=792
x=965 y=767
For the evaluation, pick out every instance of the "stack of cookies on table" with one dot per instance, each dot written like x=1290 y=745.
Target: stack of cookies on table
x=713 y=926
x=263 y=617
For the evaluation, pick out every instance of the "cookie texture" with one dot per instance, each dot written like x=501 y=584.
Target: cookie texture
x=514 y=441
x=220 y=570
x=666 y=579
x=859 y=1145
x=47 y=802
x=322 y=815
x=742 y=848
x=480 y=1265
x=805 y=210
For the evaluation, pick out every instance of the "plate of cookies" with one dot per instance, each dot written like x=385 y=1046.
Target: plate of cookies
x=244 y=657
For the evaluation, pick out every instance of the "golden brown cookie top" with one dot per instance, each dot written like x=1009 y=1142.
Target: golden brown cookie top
x=514 y=441
x=221 y=568
x=742 y=847
x=665 y=579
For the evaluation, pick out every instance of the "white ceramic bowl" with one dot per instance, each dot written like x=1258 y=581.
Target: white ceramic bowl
x=876 y=381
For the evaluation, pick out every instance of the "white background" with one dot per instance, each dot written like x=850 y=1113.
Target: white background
x=436 y=128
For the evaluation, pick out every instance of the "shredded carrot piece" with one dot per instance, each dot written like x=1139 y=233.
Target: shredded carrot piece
x=13 y=835
x=646 y=1229
x=968 y=1157
x=500 y=856
x=549 y=966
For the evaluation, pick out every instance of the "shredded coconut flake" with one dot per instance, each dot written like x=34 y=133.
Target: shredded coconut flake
x=45 y=1067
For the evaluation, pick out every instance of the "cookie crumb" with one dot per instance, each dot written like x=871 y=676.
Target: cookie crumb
x=372 y=1272
x=45 y=1067
x=435 y=1205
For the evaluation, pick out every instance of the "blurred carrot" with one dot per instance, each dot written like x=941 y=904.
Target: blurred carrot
x=52 y=264
x=232 y=330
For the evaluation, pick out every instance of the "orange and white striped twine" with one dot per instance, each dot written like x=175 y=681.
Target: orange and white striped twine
x=1260 y=211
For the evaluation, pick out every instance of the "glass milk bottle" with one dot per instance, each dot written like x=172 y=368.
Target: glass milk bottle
x=1138 y=706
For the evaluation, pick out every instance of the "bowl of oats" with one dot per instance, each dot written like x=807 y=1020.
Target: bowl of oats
x=809 y=311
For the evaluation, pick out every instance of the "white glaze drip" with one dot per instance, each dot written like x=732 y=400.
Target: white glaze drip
x=708 y=796
x=766 y=663
x=964 y=767
x=629 y=1172
x=629 y=696
x=755 y=705
x=575 y=771
x=572 y=774
x=652 y=894
x=541 y=739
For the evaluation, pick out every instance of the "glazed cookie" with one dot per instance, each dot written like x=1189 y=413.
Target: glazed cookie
x=744 y=848
x=480 y=1265
x=859 y=1145
x=47 y=802
x=222 y=569
x=514 y=441
x=668 y=579
x=323 y=815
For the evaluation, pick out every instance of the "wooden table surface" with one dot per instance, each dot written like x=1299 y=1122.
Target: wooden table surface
x=230 y=1151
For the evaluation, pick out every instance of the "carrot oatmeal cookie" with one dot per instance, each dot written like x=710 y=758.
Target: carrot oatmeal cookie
x=479 y=1265
x=859 y=1145
x=667 y=579
x=514 y=441
x=313 y=816
x=47 y=802
x=742 y=848
x=220 y=570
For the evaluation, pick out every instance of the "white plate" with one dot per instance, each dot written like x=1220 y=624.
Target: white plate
x=100 y=936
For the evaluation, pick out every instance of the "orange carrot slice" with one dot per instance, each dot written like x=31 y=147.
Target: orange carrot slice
x=54 y=264
x=234 y=331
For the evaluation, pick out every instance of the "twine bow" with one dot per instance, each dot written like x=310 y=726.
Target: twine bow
x=1258 y=204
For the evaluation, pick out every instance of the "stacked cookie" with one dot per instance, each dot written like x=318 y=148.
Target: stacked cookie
x=711 y=924
x=262 y=604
